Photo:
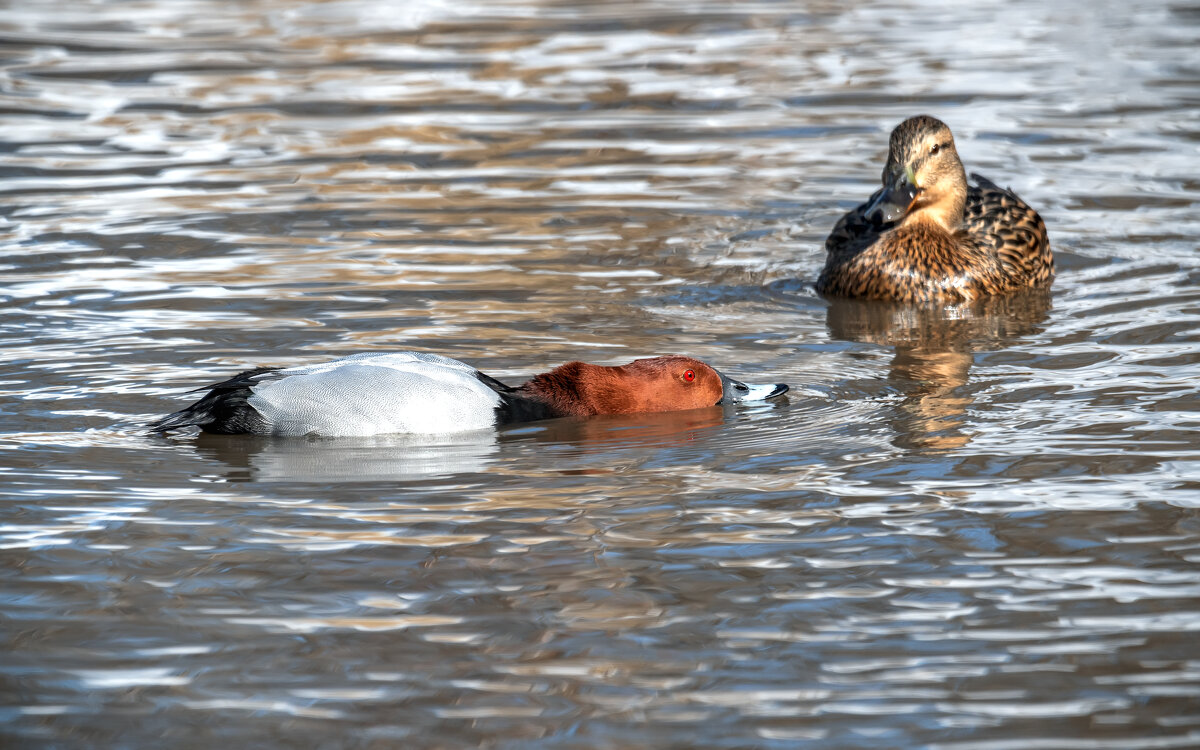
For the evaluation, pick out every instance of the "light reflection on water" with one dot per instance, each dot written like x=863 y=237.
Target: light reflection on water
x=973 y=526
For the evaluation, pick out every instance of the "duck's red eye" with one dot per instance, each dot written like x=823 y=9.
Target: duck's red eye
x=689 y=375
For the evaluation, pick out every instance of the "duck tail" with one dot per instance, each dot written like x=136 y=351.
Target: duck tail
x=222 y=410
x=180 y=419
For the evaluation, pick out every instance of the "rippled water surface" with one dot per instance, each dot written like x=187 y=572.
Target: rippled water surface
x=969 y=527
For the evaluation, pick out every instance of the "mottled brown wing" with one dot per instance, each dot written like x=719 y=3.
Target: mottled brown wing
x=999 y=221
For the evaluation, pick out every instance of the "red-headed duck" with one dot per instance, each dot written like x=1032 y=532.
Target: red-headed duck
x=379 y=393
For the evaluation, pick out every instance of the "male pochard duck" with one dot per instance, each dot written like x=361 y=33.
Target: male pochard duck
x=414 y=392
x=928 y=235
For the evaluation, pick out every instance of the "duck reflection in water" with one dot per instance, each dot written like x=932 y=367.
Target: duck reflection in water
x=348 y=459
x=629 y=437
x=935 y=348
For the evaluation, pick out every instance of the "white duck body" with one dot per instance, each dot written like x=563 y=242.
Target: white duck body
x=375 y=393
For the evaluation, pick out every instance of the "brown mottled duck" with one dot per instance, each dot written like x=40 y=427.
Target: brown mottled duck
x=928 y=235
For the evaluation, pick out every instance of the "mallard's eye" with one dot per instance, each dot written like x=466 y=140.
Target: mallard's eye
x=936 y=148
x=689 y=375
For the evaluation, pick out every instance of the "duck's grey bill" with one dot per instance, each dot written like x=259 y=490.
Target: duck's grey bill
x=892 y=203
x=736 y=391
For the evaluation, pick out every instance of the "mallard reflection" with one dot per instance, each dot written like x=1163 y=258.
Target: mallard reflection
x=935 y=347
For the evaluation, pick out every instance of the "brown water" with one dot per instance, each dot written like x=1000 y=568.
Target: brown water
x=973 y=527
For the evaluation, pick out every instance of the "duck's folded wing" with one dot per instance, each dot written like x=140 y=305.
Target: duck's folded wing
x=998 y=218
x=852 y=226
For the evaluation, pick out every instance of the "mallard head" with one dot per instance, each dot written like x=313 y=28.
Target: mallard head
x=923 y=178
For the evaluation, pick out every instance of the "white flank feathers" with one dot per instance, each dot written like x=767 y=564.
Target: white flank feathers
x=375 y=394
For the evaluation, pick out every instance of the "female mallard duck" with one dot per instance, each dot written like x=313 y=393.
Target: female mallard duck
x=927 y=235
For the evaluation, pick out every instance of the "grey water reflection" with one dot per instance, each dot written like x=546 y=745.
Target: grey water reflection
x=396 y=457
x=969 y=527
x=348 y=459
x=934 y=350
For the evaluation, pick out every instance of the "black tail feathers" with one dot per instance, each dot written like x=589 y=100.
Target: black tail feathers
x=223 y=410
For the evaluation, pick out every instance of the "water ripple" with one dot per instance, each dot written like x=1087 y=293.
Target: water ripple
x=965 y=526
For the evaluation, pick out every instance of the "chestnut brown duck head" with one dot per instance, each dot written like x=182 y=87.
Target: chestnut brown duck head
x=930 y=235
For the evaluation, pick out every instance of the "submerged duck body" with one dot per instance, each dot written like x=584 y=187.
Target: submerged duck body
x=929 y=235
x=415 y=392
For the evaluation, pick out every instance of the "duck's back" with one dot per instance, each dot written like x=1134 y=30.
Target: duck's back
x=375 y=393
